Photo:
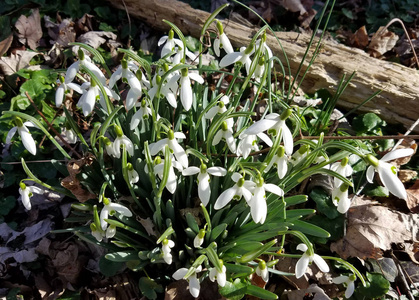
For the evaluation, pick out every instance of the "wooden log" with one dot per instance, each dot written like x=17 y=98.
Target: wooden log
x=397 y=103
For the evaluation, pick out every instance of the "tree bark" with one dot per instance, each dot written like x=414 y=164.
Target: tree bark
x=397 y=103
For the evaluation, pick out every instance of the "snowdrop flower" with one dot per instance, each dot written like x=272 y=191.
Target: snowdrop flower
x=349 y=281
x=109 y=147
x=110 y=231
x=306 y=259
x=70 y=135
x=199 y=238
x=169 y=43
x=98 y=233
x=166 y=249
x=265 y=49
x=275 y=124
x=242 y=188
x=222 y=41
x=141 y=115
x=280 y=160
x=204 y=190
x=249 y=143
x=92 y=92
x=221 y=277
x=262 y=270
x=124 y=72
x=186 y=95
x=342 y=168
x=122 y=139
x=258 y=206
x=26 y=192
x=340 y=198
x=194 y=285
x=63 y=89
x=243 y=56
x=109 y=209
x=26 y=137
x=177 y=149
x=87 y=63
x=171 y=183
x=260 y=69
x=132 y=174
x=177 y=58
x=388 y=172
x=168 y=90
x=226 y=133
x=300 y=154
x=220 y=108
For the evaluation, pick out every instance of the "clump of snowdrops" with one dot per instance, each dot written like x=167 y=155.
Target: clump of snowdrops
x=187 y=181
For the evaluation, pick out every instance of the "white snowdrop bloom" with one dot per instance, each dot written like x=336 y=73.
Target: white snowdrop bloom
x=348 y=281
x=199 y=238
x=70 y=135
x=194 y=286
x=220 y=108
x=388 y=172
x=275 y=124
x=340 y=198
x=242 y=188
x=222 y=41
x=342 y=168
x=243 y=56
x=186 y=95
x=120 y=140
x=166 y=249
x=26 y=137
x=204 y=191
x=168 y=89
x=300 y=154
x=26 y=192
x=63 y=89
x=177 y=58
x=177 y=149
x=226 y=133
x=265 y=48
x=249 y=143
x=259 y=70
x=141 y=115
x=171 y=183
x=109 y=147
x=262 y=270
x=87 y=63
x=258 y=206
x=97 y=233
x=110 y=208
x=280 y=160
x=215 y=274
x=306 y=259
x=132 y=174
x=169 y=43
x=110 y=231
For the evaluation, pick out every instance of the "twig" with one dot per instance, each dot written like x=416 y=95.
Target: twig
x=32 y=161
x=52 y=128
x=407 y=132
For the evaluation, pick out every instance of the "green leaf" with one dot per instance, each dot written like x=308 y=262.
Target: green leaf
x=324 y=203
x=122 y=256
x=369 y=122
x=256 y=253
x=149 y=288
x=6 y=204
x=294 y=200
x=22 y=102
x=348 y=13
x=217 y=231
x=334 y=226
x=309 y=229
x=239 y=269
x=260 y=293
x=110 y=268
x=233 y=290
x=376 y=191
x=377 y=286
x=36 y=90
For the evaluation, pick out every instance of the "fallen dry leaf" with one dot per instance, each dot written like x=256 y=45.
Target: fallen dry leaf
x=5 y=44
x=382 y=41
x=73 y=184
x=148 y=226
x=407 y=175
x=16 y=61
x=293 y=6
x=29 y=28
x=62 y=33
x=368 y=231
x=412 y=200
x=96 y=38
x=314 y=290
x=360 y=38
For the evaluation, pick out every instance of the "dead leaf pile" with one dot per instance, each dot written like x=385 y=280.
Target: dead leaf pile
x=382 y=41
x=73 y=184
x=29 y=29
x=16 y=61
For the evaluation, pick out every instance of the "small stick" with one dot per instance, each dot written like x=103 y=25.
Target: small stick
x=52 y=128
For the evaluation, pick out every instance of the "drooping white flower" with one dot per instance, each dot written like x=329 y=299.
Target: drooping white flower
x=169 y=43
x=262 y=270
x=249 y=143
x=348 y=281
x=199 y=238
x=242 y=188
x=120 y=140
x=70 y=135
x=388 y=172
x=306 y=259
x=141 y=115
x=215 y=274
x=171 y=183
x=222 y=41
x=276 y=124
x=168 y=89
x=265 y=48
x=340 y=198
x=26 y=137
x=279 y=160
x=87 y=63
x=226 y=133
x=166 y=249
x=132 y=174
x=194 y=286
x=342 y=168
x=177 y=58
x=63 y=89
x=220 y=108
x=204 y=191
x=300 y=154
x=26 y=192
x=243 y=56
x=109 y=147
x=110 y=231
x=258 y=206
x=259 y=70
x=110 y=208
x=177 y=149
x=186 y=95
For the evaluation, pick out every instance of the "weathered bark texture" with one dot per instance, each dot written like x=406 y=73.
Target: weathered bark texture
x=397 y=103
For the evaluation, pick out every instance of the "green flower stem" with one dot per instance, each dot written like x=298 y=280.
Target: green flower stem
x=124 y=162
x=349 y=266
x=180 y=35
x=303 y=239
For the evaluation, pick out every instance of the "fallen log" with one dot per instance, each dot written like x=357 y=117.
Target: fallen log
x=397 y=103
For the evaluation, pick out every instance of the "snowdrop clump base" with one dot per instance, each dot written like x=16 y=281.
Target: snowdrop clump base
x=189 y=182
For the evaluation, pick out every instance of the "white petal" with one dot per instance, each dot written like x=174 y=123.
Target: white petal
x=247 y=195
x=115 y=77
x=301 y=266
x=258 y=207
x=370 y=174
x=190 y=171
x=225 y=198
x=132 y=98
x=230 y=58
x=260 y=126
x=397 y=154
x=266 y=139
x=135 y=120
x=217 y=137
x=302 y=247
x=226 y=43
x=391 y=181
x=217 y=171
x=350 y=289
x=204 y=191
x=321 y=263
x=180 y=135
x=171 y=181
x=27 y=140
x=231 y=141
x=59 y=95
x=186 y=93
x=104 y=214
x=72 y=72
x=211 y=112
x=273 y=189
x=120 y=208
x=179 y=274
x=221 y=277
x=157 y=146
x=129 y=146
x=194 y=286
x=10 y=134
x=161 y=41
x=344 y=203
x=179 y=153
x=195 y=76
x=236 y=176
x=287 y=138
x=25 y=198
x=217 y=46
x=340 y=279
x=282 y=167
